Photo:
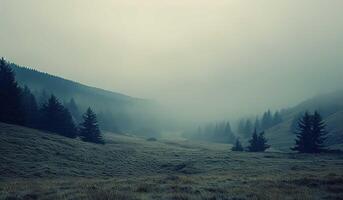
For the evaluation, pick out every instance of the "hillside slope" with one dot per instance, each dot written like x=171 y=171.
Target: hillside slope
x=117 y=111
x=31 y=153
x=329 y=105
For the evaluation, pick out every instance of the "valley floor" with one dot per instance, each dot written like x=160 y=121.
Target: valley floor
x=36 y=165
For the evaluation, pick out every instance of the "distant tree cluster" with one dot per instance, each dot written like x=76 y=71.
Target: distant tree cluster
x=54 y=117
x=268 y=120
x=311 y=134
x=257 y=143
x=215 y=132
x=19 y=106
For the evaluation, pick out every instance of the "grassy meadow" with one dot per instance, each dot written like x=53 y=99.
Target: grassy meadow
x=37 y=165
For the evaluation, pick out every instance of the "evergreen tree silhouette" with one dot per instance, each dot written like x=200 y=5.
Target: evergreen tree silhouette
x=10 y=96
x=258 y=143
x=238 y=146
x=303 y=134
x=311 y=134
x=30 y=108
x=56 y=118
x=294 y=124
x=253 y=147
x=89 y=129
x=262 y=142
x=319 y=133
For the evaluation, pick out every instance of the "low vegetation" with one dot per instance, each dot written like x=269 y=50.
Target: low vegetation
x=38 y=165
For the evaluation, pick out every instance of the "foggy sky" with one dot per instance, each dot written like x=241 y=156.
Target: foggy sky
x=209 y=59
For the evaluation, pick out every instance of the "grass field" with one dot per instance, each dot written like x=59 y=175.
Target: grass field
x=37 y=165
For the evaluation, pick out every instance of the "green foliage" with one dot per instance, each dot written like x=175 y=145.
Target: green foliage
x=311 y=134
x=89 y=129
x=258 y=143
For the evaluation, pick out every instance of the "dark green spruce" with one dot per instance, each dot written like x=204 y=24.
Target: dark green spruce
x=311 y=134
x=258 y=143
x=10 y=96
x=89 y=129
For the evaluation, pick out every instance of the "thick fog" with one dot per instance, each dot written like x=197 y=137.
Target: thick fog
x=202 y=59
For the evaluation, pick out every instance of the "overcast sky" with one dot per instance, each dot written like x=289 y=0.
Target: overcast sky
x=205 y=58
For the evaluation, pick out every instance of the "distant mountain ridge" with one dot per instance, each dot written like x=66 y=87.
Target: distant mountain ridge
x=34 y=77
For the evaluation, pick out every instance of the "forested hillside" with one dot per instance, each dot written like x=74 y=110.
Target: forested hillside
x=117 y=112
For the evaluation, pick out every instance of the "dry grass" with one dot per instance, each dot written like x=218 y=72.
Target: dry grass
x=37 y=165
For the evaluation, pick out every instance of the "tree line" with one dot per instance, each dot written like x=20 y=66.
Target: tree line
x=310 y=136
x=19 y=106
x=266 y=121
x=222 y=131
x=214 y=132
x=257 y=143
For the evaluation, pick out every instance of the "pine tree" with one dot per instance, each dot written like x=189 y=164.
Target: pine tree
x=262 y=142
x=10 y=96
x=258 y=143
x=319 y=133
x=311 y=134
x=294 y=124
x=238 y=146
x=253 y=147
x=30 y=108
x=302 y=143
x=89 y=129
x=56 y=118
